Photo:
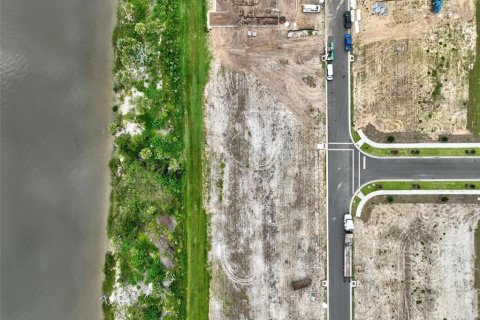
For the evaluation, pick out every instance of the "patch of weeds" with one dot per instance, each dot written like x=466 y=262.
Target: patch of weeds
x=310 y=81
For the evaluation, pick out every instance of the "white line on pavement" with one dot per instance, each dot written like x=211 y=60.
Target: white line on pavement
x=353 y=172
x=359 y=171
x=364 y=162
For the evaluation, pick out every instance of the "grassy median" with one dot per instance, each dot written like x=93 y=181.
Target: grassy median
x=421 y=185
x=421 y=152
x=414 y=185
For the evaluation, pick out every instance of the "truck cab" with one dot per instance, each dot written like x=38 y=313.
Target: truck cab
x=348 y=223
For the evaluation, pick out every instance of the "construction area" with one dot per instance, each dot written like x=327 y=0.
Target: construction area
x=416 y=261
x=411 y=70
x=264 y=178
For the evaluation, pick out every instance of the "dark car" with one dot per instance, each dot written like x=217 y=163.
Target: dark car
x=347 y=20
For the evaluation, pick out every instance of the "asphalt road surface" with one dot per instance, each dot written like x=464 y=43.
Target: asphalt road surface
x=348 y=168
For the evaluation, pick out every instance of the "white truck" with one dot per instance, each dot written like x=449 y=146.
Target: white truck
x=348 y=246
x=310 y=8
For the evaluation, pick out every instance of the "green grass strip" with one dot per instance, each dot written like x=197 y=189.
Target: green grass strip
x=422 y=152
x=420 y=185
x=473 y=105
x=195 y=67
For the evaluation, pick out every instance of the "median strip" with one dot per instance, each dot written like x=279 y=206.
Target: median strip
x=411 y=187
x=397 y=150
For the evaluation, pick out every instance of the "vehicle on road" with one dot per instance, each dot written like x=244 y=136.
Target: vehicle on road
x=329 y=71
x=330 y=50
x=310 y=8
x=348 y=42
x=348 y=246
x=347 y=19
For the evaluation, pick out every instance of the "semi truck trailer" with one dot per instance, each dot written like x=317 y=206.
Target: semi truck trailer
x=348 y=246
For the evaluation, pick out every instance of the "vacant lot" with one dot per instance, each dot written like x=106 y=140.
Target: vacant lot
x=264 y=189
x=411 y=73
x=416 y=261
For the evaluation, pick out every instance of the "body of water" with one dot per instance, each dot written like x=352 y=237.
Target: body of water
x=55 y=67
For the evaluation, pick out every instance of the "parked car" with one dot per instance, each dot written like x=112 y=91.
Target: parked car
x=348 y=42
x=329 y=72
x=347 y=19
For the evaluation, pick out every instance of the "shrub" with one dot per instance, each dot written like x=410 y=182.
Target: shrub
x=444 y=199
x=390 y=139
x=443 y=139
x=390 y=199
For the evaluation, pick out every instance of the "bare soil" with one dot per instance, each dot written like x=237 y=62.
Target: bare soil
x=416 y=261
x=264 y=192
x=411 y=70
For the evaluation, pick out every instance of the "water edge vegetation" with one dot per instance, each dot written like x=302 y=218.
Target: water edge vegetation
x=156 y=224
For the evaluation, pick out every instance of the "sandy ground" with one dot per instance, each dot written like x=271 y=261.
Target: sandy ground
x=400 y=59
x=264 y=189
x=416 y=261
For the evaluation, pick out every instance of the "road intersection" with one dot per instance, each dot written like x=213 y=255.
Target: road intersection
x=348 y=168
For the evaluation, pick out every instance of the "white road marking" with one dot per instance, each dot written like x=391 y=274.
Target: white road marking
x=364 y=162
x=353 y=172
x=340 y=143
x=359 y=171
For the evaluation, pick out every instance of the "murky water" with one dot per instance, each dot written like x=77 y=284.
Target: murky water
x=55 y=68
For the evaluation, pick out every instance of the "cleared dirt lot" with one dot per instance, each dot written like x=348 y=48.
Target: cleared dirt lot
x=411 y=70
x=416 y=261
x=264 y=189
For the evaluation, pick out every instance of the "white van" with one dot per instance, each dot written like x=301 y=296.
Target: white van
x=329 y=71
x=310 y=8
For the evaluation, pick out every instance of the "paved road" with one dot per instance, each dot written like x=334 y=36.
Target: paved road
x=348 y=168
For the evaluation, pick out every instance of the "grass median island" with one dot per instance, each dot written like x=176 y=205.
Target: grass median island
x=156 y=224
x=421 y=152
x=473 y=104
x=413 y=185
x=420 y=185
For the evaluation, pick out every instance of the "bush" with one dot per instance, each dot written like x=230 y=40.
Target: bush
x=443 y=139
x=390 y=139
x=444 y=199
x=390 y=199
x=394 y=151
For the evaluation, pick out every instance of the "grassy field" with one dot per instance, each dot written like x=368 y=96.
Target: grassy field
x=423 y=152
x=195 y=68
x=473 y=105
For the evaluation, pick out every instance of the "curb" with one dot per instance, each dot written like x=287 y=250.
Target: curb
x=366 y=198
